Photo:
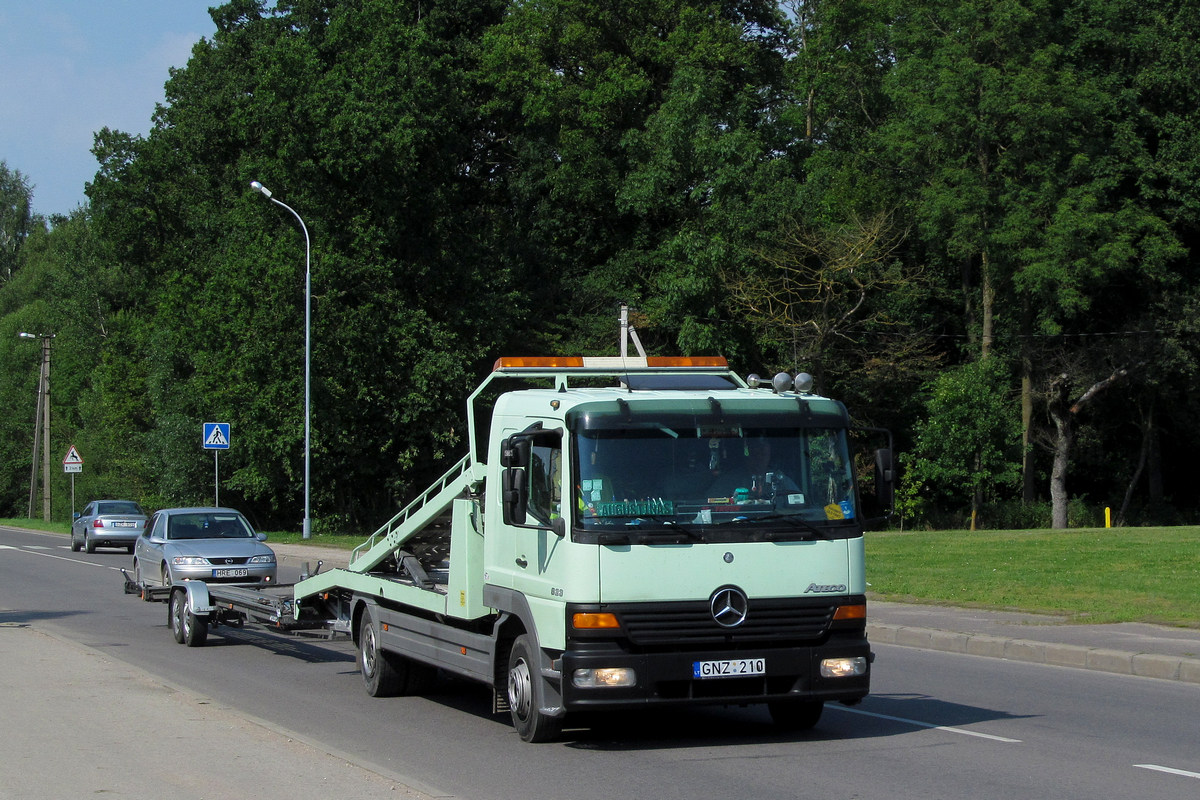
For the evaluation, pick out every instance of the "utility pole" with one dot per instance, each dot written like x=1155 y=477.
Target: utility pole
x=43 y=410
x=46 y=427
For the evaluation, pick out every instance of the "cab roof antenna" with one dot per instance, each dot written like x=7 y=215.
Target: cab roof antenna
x=627 y=333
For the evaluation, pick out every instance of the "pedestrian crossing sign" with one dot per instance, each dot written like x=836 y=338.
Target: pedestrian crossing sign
x=216 y=436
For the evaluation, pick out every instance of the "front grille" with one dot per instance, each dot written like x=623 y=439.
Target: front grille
x=691 y=623
x=229 y=562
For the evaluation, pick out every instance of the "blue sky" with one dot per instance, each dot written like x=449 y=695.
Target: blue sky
x=71 y=67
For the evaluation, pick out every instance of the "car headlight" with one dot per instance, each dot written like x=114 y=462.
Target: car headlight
x=265 y=559
x=189 y=561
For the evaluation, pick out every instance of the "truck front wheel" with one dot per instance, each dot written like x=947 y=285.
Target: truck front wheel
x=525 y=694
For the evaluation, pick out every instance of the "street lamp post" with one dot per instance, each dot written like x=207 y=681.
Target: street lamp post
x=43 y=410
x=265 y=192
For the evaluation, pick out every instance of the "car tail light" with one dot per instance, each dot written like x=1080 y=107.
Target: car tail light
x=98 y=523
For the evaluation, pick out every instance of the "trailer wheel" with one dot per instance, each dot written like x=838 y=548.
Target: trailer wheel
x=186 y=627
x=525 y=694
x=195 y=629
x=176 y=610
x=795 y=715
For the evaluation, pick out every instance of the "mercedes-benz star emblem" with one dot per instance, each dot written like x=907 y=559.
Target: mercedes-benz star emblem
x=729 y=606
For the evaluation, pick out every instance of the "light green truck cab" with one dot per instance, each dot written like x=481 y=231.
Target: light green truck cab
x=631 y=532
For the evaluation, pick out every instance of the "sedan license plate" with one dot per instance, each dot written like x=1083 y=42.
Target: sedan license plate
x=119 y=524
x=231 y=573
x=729 y=668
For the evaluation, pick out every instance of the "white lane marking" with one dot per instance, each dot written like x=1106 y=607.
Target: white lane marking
x=32 y=552
x=930 y=725
x=1169 y=770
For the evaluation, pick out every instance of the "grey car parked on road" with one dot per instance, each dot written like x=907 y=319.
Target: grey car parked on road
x=107 y=523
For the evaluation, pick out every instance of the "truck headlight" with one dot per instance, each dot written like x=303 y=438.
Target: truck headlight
x=607 y=676
x=843 y=667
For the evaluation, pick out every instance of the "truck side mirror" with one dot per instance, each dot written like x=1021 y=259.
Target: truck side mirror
x=514 y=451
x=515 y=495
x=885 y=478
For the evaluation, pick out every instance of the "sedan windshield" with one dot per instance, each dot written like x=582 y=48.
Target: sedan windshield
x=207 y=525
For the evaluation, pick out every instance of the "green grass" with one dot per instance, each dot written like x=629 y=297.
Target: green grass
x=286 y=537
x=341 y=542
x=1089 y=575
x=38 y=525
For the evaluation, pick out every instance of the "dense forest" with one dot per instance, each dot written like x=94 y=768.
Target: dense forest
x=974 y=221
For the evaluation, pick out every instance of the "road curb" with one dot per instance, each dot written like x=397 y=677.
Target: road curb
x=1120 y=662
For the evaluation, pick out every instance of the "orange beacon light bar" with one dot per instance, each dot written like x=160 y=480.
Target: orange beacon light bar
x=609 y=362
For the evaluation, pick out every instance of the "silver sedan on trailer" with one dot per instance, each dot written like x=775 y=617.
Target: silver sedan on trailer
x=107 y=523
x=214 y=545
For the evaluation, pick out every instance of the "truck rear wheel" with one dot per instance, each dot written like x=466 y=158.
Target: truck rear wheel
x=388 y=674
x=525 y=694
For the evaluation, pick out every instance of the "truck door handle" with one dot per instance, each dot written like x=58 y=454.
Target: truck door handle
x=522 y=563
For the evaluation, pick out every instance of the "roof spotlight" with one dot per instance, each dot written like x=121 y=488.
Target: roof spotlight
x=781 y=382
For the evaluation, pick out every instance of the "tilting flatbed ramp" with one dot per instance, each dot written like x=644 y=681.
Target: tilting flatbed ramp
x=389 y=539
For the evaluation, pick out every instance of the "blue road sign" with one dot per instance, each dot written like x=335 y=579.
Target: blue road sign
x=216 y=436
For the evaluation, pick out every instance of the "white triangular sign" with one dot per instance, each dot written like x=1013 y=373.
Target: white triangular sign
x=73 y=456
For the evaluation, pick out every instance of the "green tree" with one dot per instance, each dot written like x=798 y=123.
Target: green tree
x=965 y=450
x=641 y=153
x=361 y=117
x=16 y=197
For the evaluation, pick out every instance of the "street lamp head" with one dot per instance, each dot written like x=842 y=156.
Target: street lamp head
x=258 y=187
x=25 y=335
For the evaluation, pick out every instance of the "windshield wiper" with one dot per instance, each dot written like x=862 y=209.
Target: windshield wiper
x=635 y=521
x=794 y=518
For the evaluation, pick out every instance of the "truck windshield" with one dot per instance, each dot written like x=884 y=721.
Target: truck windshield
x=732 y=480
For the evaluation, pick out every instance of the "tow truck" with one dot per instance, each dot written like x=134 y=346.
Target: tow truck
x=614 y=538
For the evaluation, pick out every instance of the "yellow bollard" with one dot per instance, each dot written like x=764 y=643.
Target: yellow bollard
x=1107 y=517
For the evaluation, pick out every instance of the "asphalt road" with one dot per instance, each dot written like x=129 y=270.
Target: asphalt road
x=937 y=725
